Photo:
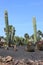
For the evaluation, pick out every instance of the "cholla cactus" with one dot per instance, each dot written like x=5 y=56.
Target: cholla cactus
x=35 y=29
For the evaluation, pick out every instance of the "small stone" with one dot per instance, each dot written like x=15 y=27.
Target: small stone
x=0 y=58
x=40 y=62
x=29 y=62
x=8 y=58
x=36 y=62
x=16 y=62
x=3 y=59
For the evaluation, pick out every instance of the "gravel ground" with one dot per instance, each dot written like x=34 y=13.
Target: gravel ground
x=21 y=53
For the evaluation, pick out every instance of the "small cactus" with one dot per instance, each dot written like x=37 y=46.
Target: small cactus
x=40 y=45
x=30 y=47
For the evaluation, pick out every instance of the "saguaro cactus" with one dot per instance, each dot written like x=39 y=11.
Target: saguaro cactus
x=35 y=29
x=6 y=26
x=9 y=30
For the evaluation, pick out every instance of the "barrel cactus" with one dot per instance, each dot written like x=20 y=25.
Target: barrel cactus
x=30 y=47
x=40 y=45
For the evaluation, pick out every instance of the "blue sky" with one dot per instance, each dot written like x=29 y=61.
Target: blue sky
x=20 y=14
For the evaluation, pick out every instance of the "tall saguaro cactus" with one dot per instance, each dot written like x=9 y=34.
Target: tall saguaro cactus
x=35 y=29
x=9 y=30
x=6 y=26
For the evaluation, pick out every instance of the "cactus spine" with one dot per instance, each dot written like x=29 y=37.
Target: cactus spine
x=35 y=29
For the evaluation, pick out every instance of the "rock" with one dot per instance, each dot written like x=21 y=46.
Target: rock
x=36 y=62
x=9 y=58
x=0 y=58
x=10 y=61
x=40 y=62
x=3 y=64
x=16 y=62
x=22 y=62
x=0 y=63
x=29 y=62
x=3 y=59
